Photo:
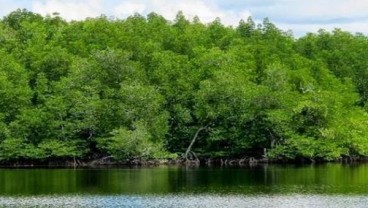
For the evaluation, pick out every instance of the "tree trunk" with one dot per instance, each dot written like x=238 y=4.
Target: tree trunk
x=192 y=142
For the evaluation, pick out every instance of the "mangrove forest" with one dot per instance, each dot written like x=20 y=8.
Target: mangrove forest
x=146 y=87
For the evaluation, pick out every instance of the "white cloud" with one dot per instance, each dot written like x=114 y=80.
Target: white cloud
x=314 y=10
x=311 y=15
x=7 y=7
x=128 y=8
x=70 y=10
x=81 y=9
x=298 y=15
x=301 y=29
x=206 y=11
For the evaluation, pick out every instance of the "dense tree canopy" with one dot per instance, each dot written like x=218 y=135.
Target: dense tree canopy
x=143 y=87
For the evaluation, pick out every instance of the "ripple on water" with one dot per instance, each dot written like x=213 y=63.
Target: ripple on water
x=212 y=201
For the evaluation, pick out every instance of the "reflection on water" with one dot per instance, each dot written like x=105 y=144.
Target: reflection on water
x=212 y=201
x=268 y=179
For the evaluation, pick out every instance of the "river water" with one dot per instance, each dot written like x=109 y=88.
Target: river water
x=326 y=185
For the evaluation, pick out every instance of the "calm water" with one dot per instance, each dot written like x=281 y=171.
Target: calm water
x=328 y=185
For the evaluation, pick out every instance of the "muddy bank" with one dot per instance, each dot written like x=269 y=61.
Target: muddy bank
x=107 y=162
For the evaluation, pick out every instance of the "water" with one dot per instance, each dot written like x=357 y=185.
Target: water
x=210 y=201
x=327 y=185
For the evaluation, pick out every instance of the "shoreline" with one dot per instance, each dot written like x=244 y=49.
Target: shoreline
x=206 y=162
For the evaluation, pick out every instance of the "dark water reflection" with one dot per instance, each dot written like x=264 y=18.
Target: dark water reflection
x=327 y=179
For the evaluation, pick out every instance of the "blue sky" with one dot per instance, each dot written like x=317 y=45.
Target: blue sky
x=300 y=16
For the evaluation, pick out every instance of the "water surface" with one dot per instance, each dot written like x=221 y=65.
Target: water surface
x=327 y=185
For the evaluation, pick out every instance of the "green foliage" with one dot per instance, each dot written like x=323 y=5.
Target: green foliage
x=132 y=144
x=55 y=148
x=143 y=86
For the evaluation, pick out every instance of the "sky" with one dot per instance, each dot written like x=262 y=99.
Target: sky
x=299 y=16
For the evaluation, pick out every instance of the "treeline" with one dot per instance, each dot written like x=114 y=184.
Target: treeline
x=146 y=87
